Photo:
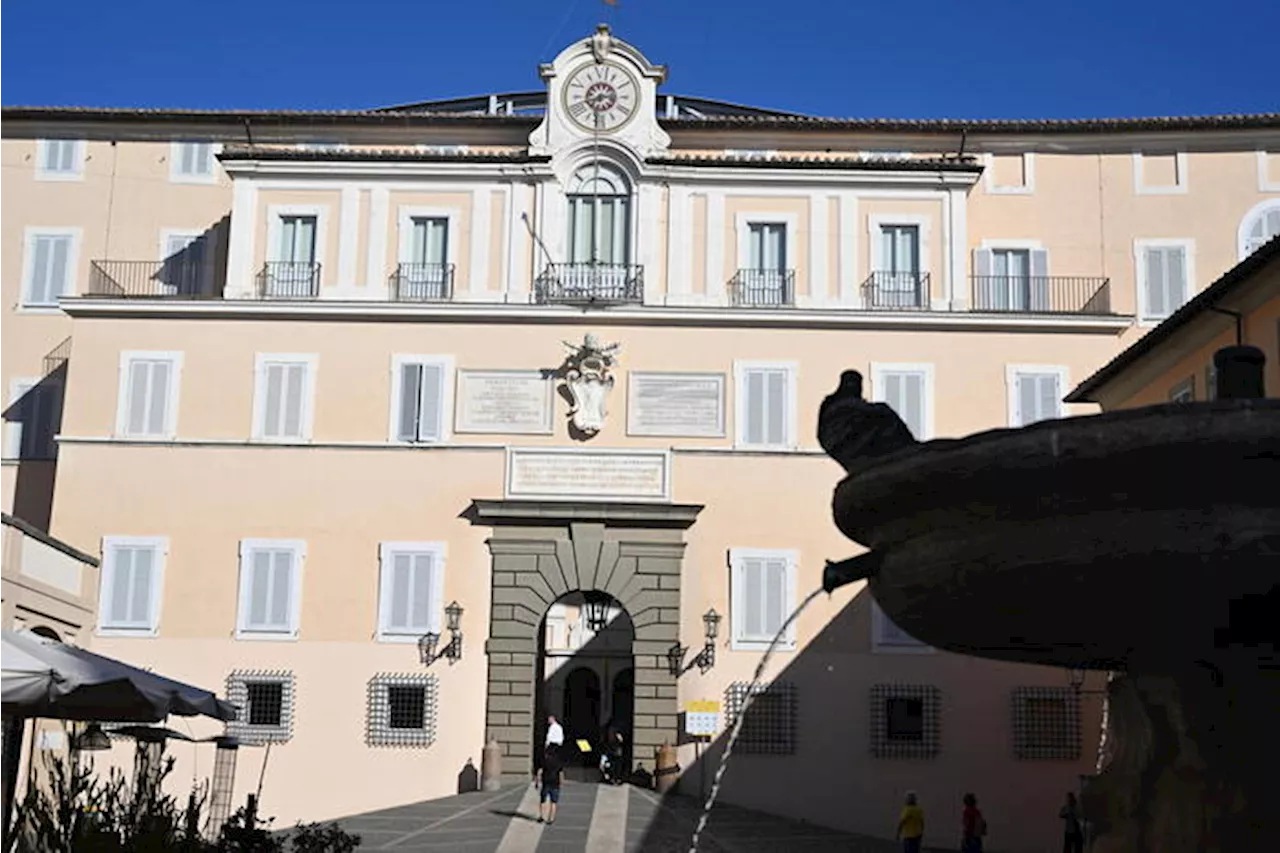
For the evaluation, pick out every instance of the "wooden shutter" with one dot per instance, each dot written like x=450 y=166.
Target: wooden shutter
x=774 y=596
x=148 y=397
x=1048 y=395
x=270 y=589
x=752 y=598
x=158 y=397
x=764 y=408
x=1037 y=398
x=49 y=269
x=1166 y=285
x=1175 y=284
x=131 y=587
x=904 y=392
x=67 y=158
x=1154 y=285
x=421 y=414
x=410 y=395
x=1041 y=296
x=412 y=590
x=285 y=399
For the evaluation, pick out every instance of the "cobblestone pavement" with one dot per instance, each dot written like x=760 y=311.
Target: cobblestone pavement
x=592 y=819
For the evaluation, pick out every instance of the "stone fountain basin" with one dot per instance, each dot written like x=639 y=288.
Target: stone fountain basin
x=1078 y=542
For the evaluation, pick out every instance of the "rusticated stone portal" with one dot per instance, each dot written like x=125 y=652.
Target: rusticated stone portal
x=543 y=550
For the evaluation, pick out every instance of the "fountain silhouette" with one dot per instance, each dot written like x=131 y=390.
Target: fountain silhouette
x=1144 y=542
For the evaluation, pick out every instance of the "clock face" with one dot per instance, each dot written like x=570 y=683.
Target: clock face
x=601 y=97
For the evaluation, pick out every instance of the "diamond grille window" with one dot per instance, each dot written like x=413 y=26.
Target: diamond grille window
x=266 y=702
x=402 y=710
x=1046 y=723
x=906 y=721
x=770 y=726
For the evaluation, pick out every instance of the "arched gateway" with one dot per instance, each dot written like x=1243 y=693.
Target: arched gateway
x=544 y=550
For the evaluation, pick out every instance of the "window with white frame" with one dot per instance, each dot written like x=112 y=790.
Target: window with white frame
x=49 y=266
x=191 y=162
x=266 y=700
x=763 y=592
x=1163 y=276
x=766 y=404
x=599 y=215
x=1160 y=173
x=185 y=261
x=131 y=583
x=410 y=588
x=888 y=637
x=292 y=270
x=149 y=383
x=424 y=271
x=59 y=159
x=1011 y=278
x=32 y=417
x=1010 y=174
x=284 y=392
x=421 y=390
x=908 y=389
x=270 y=588
x=1035 y=393
x=401 y=710
x=896 y=279
x=1259 y=227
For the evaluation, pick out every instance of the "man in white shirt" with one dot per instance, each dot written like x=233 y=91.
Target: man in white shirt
x=555 y=733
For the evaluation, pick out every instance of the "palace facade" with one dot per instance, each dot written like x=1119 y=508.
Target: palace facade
x=303 y=380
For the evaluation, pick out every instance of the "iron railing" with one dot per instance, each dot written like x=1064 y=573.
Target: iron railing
x=173 y=278
x=896 y=291
x=289 y=280
x=422 y=283
x=1040 y=294
x=590 y=284
x=763 y=288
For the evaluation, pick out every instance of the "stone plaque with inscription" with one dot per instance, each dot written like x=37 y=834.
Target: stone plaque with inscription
x=676 y=404
x=504 y=401
x=567 y=474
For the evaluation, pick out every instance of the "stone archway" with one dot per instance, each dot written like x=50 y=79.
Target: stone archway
x=543 y=550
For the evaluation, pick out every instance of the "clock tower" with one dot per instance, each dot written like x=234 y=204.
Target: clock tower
x=601 y=90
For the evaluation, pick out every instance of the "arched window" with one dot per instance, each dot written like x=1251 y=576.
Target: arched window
x=599 y=215
x=1259 y=226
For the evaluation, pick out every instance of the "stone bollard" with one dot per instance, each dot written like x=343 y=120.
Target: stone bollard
x=665 y=768
x=491 y=766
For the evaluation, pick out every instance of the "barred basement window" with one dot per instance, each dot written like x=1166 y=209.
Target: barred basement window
x=402 y=710
x=906 y=721
x=1046 y=723
x=266 y=703
x=770 y=726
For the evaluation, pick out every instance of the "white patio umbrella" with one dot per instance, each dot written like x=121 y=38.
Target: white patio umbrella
x=45 y=678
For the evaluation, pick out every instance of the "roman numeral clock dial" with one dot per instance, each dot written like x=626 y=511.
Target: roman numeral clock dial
x=600 y=97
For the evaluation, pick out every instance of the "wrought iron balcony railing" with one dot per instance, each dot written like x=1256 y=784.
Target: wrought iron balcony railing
x=174 y=278
x=763 y=288
x=422 y=283
x=1040 y=294
x=896 y=291
x=589 y=284
x=289 y=280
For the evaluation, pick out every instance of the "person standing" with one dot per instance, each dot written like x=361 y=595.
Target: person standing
x=549 y=778
x=1072 y=830
x=555 y=732
x=911 y=825
x=973 y=826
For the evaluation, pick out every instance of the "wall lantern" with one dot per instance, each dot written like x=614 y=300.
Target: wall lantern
x=428 y=643
x=597 y=607
x=706 y=657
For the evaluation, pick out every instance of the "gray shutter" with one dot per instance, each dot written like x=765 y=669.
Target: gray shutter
x=422 y=586
x=140 y=598
x=777 y=407
x=904 y=392
x=1041 y=296
x=40 y=288
x=158 y=397
x=271 y=419
x=52 y=155
x=983 y=288
x=139 y=381
x=67 y=162
x=431 y=417
x=1026 y=400
x=1155 y=283
x=295 y=384
x=753 y=584
x=1048 y=396
x=259 y=589
x=281 y=588
x=121 y=580
x=1175 y=279
x=754 y=409
x=59 y=271
x=775 y=596
x=401 y=591
x=410 y=399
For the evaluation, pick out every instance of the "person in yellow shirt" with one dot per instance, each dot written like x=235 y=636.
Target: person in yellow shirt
x=911 y=825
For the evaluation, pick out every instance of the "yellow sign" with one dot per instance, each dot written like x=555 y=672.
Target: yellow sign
x=702 y=707
x=584 y=746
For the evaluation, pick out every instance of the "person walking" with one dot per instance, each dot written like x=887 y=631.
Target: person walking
x=555 y=732
x=911 y=825
x=973 y=826
x=549 y=778
x=1072 y=829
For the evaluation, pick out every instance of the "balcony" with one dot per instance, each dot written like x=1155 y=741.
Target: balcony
x=753 y=288
x=1040 y=294
x=896 y=291
x=422 y=283
x=174 y=278
x=589 y=284
x=289 y=280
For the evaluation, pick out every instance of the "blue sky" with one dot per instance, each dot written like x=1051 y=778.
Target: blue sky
x=977 y=59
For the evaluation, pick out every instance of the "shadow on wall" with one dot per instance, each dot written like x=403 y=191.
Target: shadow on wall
x=808 y=750
x=31 y=422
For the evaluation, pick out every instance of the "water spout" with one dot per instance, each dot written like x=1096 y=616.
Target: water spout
x=858 y=568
